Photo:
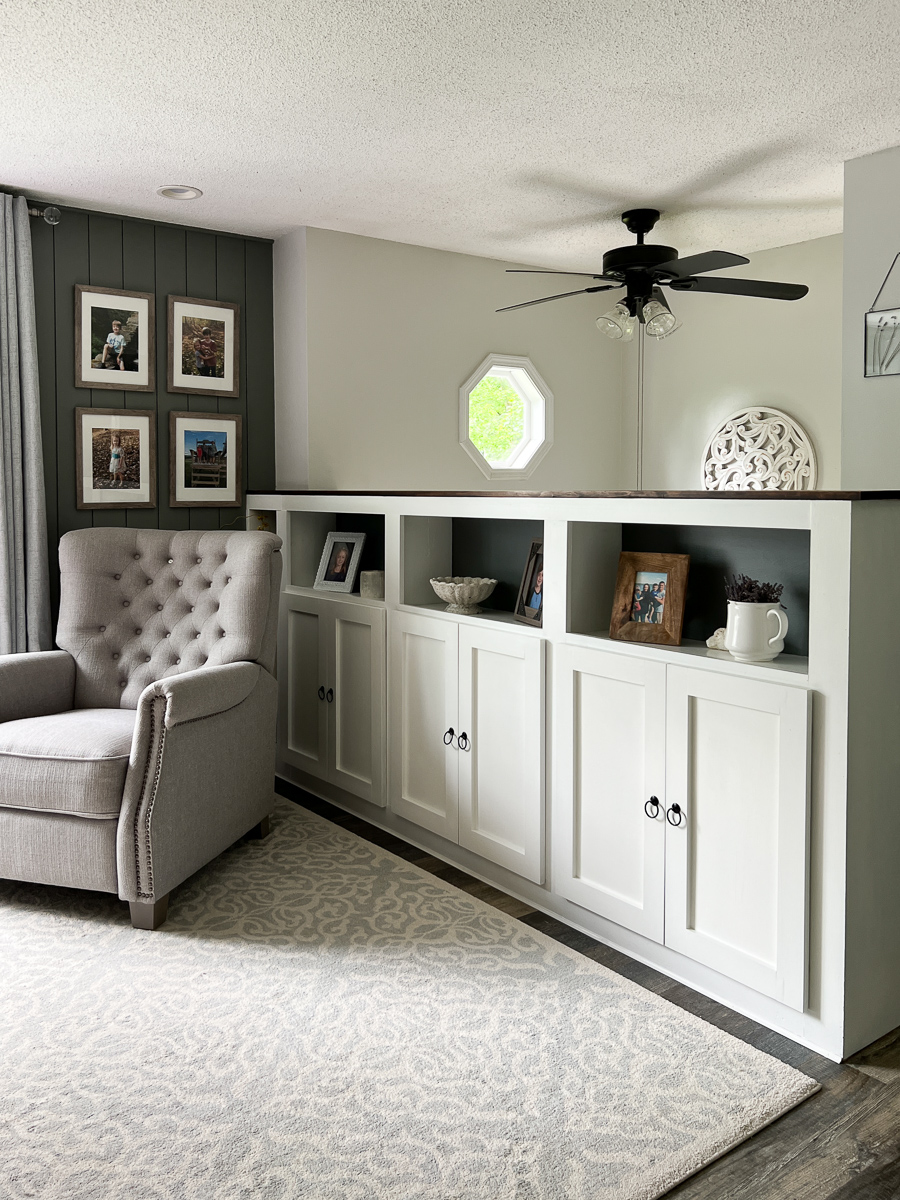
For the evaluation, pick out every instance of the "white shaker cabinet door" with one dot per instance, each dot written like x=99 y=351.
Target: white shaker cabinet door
x=424 y=775
x=501 y=748
x=356 y=704
x=609 y=791
x=737 y=786
x=305 y=738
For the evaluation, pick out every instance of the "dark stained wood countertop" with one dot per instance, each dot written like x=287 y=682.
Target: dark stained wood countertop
x=768 y=495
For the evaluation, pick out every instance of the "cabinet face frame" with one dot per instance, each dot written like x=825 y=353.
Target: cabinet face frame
x=784 y=975
x=520 y=845
x=646 y=756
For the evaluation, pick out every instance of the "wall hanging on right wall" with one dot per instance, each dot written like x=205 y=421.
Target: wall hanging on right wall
x=759 y=450
x=883 y=327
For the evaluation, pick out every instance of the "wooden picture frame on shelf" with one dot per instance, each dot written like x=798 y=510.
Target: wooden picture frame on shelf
x=339 y=564
x=650 y=596
x=530 y=600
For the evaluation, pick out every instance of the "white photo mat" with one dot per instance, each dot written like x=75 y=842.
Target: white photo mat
x=90 y=376
x=200 y=423
x=114 y=496
x=179 y=381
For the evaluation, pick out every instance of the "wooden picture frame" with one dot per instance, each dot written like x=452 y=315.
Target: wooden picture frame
x=533 y=575
x=196 y=327
x=338 y=543
x=97 y=484
x=641 y=611
x=119 y=357
x=205 y=452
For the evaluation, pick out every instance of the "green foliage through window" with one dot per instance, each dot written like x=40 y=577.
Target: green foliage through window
x=496 y=418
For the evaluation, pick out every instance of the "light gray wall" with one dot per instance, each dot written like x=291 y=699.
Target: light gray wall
x=374 y=338
x=734 y=351
x=291 y=402
x=394 y=330
x=871 y=420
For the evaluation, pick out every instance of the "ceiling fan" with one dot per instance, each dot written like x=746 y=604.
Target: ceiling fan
x=644 y=270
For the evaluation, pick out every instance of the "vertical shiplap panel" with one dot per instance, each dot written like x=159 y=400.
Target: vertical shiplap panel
x=105 y=257
x=259 y=429
x=171 y=280
x=231 y=286
x=165 y=260
x=45 y=318
x=72 y=262
x=139 y=273
x=201 y=284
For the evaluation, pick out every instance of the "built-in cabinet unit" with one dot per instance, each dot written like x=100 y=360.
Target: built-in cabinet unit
x=728 y=823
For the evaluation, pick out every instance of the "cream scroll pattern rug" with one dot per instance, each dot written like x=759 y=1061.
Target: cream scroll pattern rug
x=319 y=1020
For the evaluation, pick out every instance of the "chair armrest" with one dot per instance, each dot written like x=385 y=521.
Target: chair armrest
x=36 y=685
x=201 y=693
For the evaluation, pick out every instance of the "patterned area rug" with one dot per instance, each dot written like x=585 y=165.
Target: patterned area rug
x=318 y=1019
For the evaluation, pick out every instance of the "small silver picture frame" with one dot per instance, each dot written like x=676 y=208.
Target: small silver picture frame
x=339 y=564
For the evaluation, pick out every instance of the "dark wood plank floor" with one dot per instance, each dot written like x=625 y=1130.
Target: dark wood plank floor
x=841 y=1144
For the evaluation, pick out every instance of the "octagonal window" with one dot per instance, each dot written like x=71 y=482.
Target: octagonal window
x=505 y=416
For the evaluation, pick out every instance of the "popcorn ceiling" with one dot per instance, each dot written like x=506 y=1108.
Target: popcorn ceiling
x=517 y=129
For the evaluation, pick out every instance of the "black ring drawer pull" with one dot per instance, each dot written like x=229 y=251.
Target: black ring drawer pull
x=329 y=695
x=679 y=816
x=322 y=692
x=448 y=737
x=463 y=741
x=652 y=807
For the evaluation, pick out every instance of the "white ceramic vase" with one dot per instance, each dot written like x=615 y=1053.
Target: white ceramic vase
x=755 y=632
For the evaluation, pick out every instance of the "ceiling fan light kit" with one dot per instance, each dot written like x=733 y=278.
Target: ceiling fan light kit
x=644 y=270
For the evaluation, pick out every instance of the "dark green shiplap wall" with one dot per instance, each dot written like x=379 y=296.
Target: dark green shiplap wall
x=119 y=252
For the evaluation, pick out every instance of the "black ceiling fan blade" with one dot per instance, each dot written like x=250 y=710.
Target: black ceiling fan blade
x=560 y=295
x=742 y=287
x=698 y=264
x=535 y=271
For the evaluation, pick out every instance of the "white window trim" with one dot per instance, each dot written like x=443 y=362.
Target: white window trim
x=538 y=415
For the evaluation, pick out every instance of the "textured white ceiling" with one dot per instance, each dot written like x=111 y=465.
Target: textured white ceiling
x=512 y=128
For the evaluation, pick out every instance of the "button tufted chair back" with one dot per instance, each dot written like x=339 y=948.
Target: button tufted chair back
x=138 y=605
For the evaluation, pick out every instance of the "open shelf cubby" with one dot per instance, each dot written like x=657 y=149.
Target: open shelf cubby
x=717 y=552
x=480 y=546
x=307 y=532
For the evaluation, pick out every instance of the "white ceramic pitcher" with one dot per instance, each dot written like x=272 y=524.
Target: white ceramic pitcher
x=750 y=628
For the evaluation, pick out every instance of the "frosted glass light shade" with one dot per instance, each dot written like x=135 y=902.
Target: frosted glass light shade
x=617 y=324
x=659 y=320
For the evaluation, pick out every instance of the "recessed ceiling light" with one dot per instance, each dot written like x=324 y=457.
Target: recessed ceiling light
x=178 y=191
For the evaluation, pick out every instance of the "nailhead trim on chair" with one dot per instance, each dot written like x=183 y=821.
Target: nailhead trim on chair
x=144 y=808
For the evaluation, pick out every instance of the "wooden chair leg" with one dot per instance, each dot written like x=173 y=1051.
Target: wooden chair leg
x=261 y=829
x=149 y=916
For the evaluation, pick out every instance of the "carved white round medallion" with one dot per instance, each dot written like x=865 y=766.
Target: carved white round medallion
x=758 y=450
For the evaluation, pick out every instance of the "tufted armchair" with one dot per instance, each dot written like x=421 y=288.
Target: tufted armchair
x=143 y=746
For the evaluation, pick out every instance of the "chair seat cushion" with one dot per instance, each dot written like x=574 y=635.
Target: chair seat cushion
x=72 y=762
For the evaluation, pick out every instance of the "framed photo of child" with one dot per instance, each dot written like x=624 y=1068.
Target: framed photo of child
x=340 y=562
x=650 y=594
x=530 y=600
x=204 y=460
x=204 y=338
x=116 y=458
x=114 y=339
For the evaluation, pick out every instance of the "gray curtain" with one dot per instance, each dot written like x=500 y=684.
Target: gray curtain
x=24 y=572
